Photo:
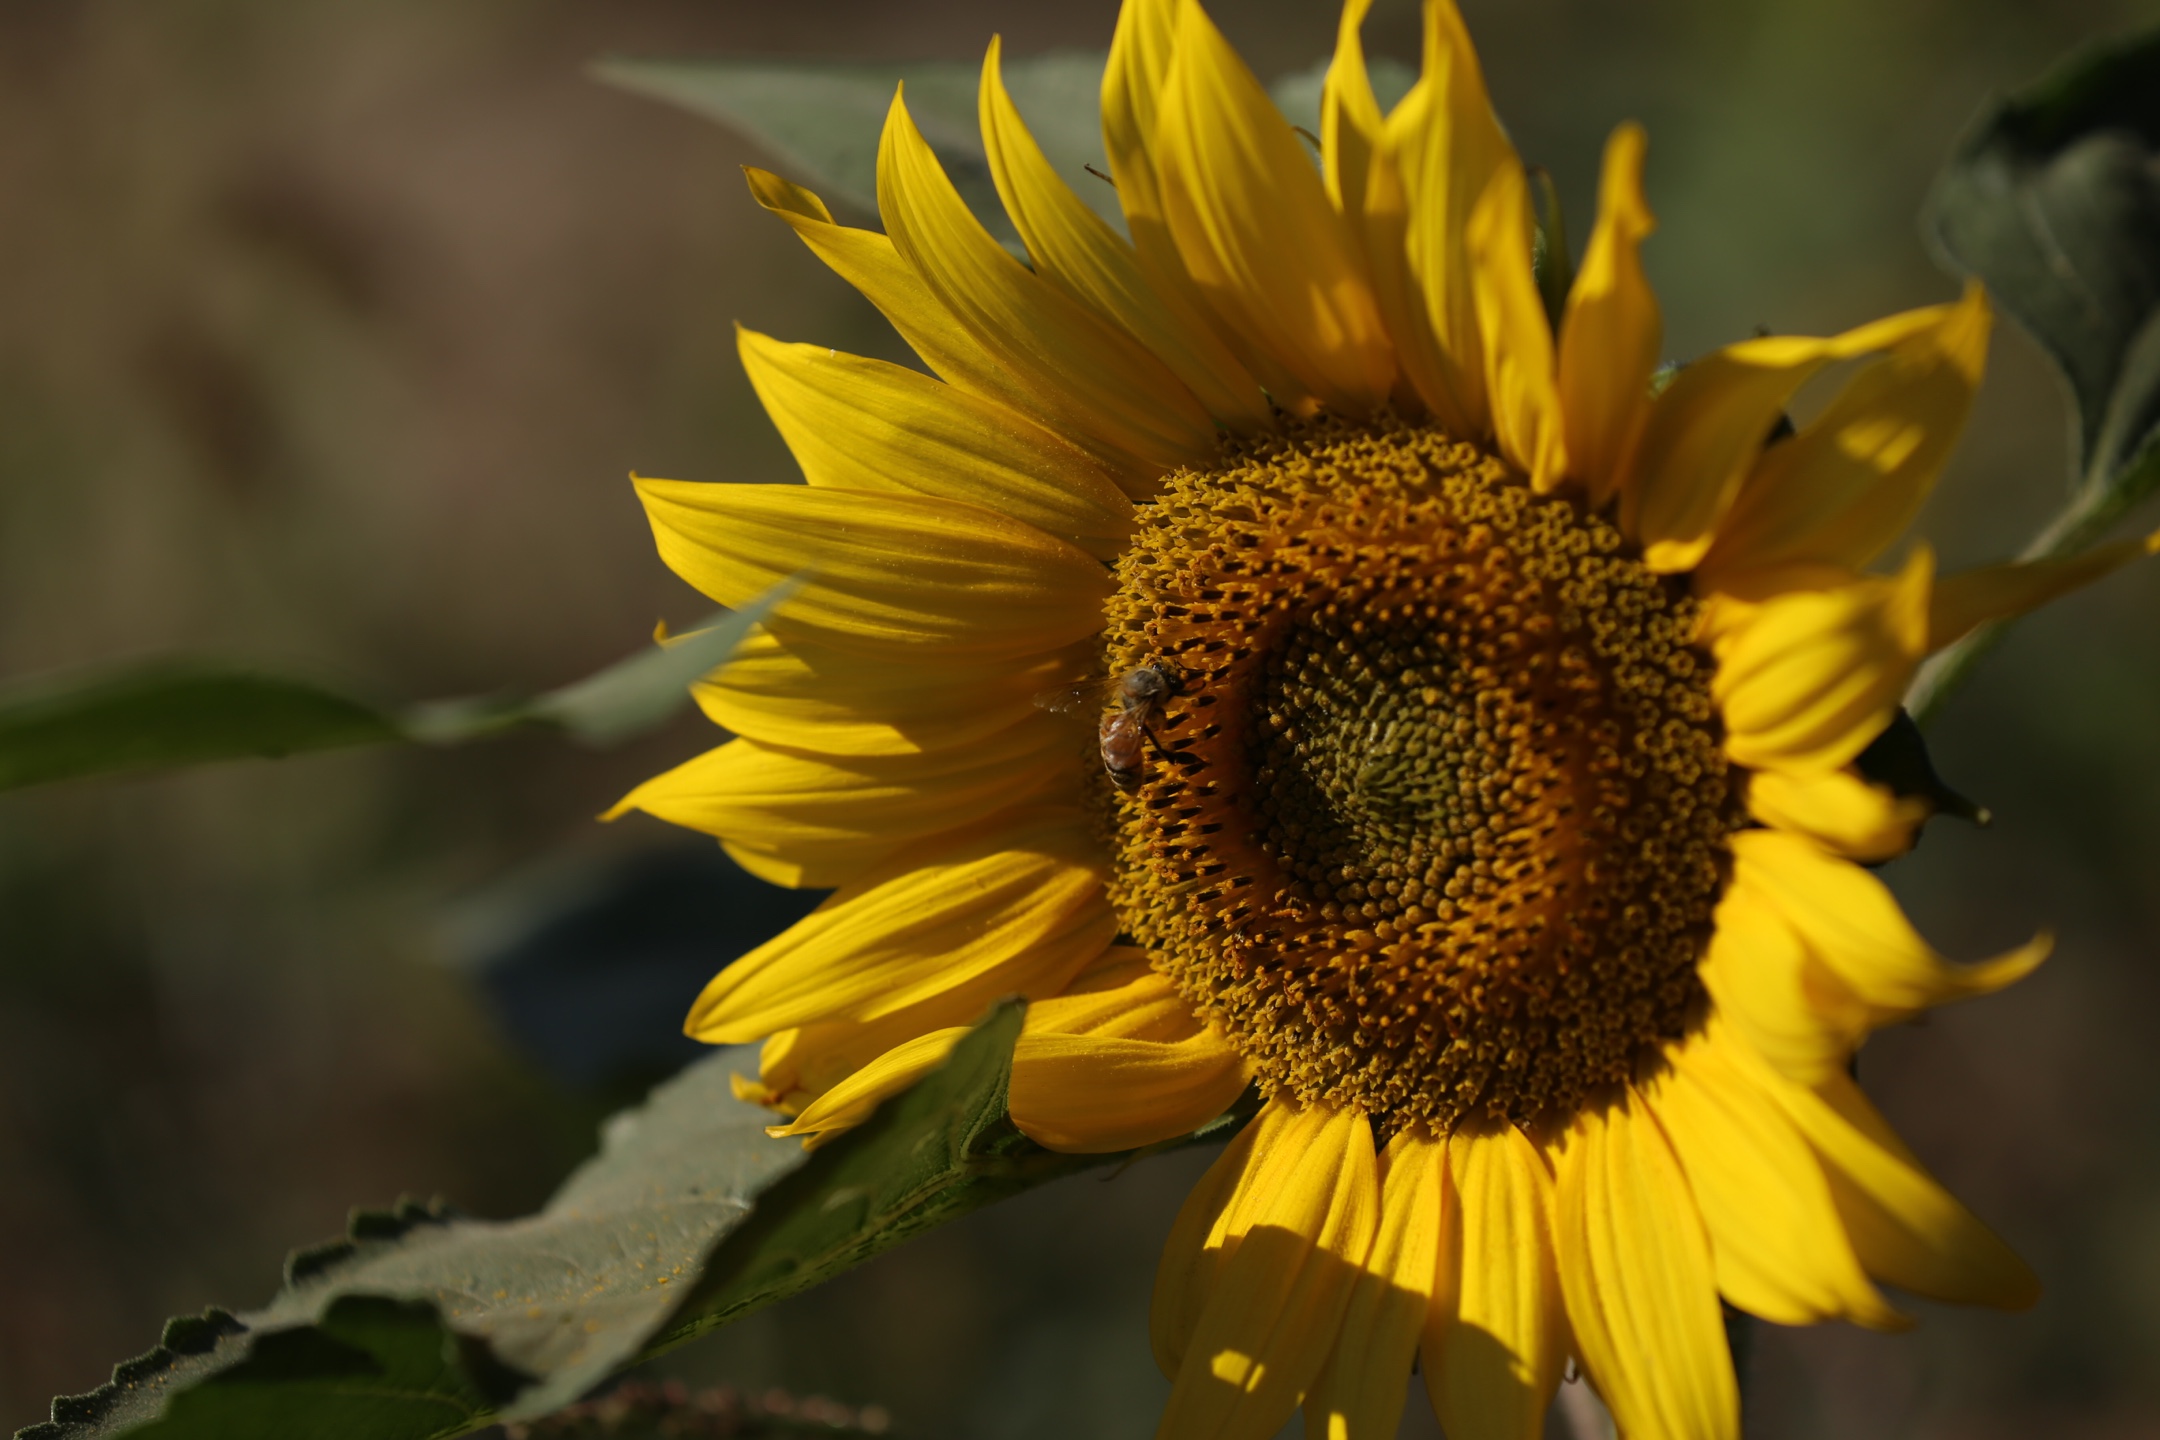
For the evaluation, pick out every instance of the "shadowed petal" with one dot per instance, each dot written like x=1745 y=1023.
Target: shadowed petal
x=1519 y=378
x=987 y=905
x=1837 y=810
x=1359 y=1396
x=1964 y=602
x=1807 y=680
x=1610 y=336
x=1278 y=1296
x=1839 y=492
x=1496 y=1342
x=1100 y=386
x=1776 y=1237
x=1908 y=1231
x=1641 y=1289
x=1707 y=428
x=1255 y=229
x=1076 y=250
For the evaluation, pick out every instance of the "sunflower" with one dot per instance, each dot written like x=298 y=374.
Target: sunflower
x=1473 y=775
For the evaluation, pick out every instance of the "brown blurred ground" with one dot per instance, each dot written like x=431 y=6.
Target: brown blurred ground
x=328 y=333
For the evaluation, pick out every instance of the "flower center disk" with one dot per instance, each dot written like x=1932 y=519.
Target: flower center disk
x=1434 y=822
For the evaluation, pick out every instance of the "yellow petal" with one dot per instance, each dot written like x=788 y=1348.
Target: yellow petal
x=1447 y=145
x=1119 y=995
x=1360 y=1393
x=1708 y=426
x=1133 y=85
x=1837 y=810
x=868 y=261
x=1254 y=227
x=1807 y=680
x=1792 y=1011
x=1908 y=1231
x=1257 y=1164
x=1496 y=1341
x=775 y=1085
x=1612 y=331
x=1851 y=922
x=1186 y=1275
x=884 y=569
x=1076 y=250
x=1964 y=602
x=1133 y=80
x=1097 y=1092
x=854 y=1099
x=797 y=1066
x=819 y=821
x=1777 y=1240
x=1382 y=224
x=803 y=696
x=1114 y=1074
x=857 y=424
x=982 y=910
x=1519 y=377
x=1845 y=487
x=1636 y=1271
x=1099 y=386
x=1350 y=119
x=1281 y=1294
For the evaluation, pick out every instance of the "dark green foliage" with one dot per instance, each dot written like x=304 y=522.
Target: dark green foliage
x=2054 y=201
x=166 y=714
x=423 y=1323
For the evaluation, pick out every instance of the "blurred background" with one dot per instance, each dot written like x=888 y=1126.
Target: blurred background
x=329 y=331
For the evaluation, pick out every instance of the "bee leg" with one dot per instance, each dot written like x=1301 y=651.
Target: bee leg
x=1175 y=756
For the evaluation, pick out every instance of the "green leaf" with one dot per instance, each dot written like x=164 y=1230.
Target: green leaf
x=172 y=713
x=640 y=693
x=688 y=1218
x=2054 y=201
x=385 y=1367
x=821 y=120
x=628 y=698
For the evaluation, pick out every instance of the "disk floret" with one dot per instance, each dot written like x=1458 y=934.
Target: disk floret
x=1436 y=823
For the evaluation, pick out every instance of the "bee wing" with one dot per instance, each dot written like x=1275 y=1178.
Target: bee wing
x=1082 y=699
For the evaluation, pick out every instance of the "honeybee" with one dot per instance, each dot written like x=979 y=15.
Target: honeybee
x=1126 y=704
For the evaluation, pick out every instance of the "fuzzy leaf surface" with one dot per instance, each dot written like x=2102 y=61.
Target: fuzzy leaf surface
x=422 y=1323
x=2054 y=201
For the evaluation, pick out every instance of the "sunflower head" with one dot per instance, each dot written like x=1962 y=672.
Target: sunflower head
x=1437 y=823
x=1480 y=783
